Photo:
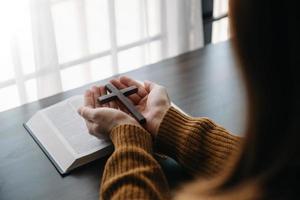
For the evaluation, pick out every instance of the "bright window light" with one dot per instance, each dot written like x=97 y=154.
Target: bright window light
x=50 y=46
x=220 y=29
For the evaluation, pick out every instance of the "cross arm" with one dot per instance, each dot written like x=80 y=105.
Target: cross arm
x=117 y=94
x=111 y=96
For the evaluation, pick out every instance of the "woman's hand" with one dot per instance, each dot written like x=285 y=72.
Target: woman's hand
x=101 y=119
x=151 y=100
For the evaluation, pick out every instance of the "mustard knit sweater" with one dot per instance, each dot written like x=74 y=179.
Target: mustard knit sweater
x=198 y=144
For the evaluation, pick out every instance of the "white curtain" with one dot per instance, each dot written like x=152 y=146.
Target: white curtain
x=49 y=46
x=45 y=52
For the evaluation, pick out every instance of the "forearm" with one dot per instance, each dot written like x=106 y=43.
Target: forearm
x=131 y=172
x=198 y=144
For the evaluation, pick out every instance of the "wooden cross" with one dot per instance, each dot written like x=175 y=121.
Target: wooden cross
x=120 y=95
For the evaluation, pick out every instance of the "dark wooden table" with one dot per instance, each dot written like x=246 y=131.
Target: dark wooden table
x=204 y=82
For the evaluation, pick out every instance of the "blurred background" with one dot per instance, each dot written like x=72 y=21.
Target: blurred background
x=50 y=46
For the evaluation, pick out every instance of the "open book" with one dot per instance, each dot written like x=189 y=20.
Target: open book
x=63 y=136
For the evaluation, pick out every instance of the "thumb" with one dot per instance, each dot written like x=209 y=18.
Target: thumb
x=87 y=113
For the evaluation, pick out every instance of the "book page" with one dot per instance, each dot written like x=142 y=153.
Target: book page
x=71 y=127
x=43 y=133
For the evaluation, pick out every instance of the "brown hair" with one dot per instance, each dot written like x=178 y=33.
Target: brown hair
x=265 y=37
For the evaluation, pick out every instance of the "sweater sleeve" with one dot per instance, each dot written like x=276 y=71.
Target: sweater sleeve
x=131 y=172
x=198 y=144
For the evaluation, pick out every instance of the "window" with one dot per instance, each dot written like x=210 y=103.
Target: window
x=215 y=20
x=105 y=36
x=49 y=46
x=220 y=28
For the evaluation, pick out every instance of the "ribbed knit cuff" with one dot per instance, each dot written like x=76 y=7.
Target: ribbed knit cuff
x=127 y=135
x=198 y=144
x=176 y=129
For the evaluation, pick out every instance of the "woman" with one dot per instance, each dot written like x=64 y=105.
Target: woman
x=263 y=165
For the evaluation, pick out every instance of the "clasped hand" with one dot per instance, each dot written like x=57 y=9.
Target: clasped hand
x=151 y=100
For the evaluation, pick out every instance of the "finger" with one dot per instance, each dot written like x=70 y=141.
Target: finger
x=113 y=104
x=89 y=126
x=87 y=113
x=134 y=97
x=103 y=92
x=93 y=128
x=149 y=85
x=96 y=94
x=130 y=82
x=89 y=99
